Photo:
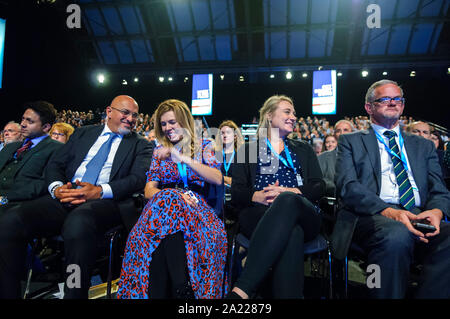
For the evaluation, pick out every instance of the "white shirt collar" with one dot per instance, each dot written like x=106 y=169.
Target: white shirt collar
x=380 y=129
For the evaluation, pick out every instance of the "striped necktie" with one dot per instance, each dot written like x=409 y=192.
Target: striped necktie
x=25 y=147
x=405 y=190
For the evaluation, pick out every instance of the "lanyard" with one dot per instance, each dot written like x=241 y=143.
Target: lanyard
x=225 y=164
x=388 y=149
x=288 y=156
x=183 y=173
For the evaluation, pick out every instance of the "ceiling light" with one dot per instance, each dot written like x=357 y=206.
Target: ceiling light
x=170 y=79
x=273 y=75
x=222 y=76
x=288 y=75
x=364 y=73
x=412 y=74
x=320 y=68
x=339 y=74
x=161 y=79
x=385 y=73
x=304 y=75
x=186 y=79
x=100 y=78
x=124 y=82
x=241 y=78
x=136 y=80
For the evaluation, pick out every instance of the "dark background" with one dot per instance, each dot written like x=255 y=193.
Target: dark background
x=43 y=61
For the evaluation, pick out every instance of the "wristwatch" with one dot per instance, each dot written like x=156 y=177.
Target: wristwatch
x=3 y=200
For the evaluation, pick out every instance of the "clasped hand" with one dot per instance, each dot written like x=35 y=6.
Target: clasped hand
x=165 y=152
x=432 y=216
x=75 y=196
x=268 y=194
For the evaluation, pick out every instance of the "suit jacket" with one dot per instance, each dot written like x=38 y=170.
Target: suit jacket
x=29 y=180
x=244 y=173
x=327 y=162
x=358 y=181
x=128 y=172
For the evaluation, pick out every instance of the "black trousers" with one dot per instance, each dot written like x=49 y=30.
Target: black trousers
x=392 y=247
x=168 y=273
x=81 y=227
x=277 y=243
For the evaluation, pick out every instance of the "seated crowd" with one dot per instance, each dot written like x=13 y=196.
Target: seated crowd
x=74 y=174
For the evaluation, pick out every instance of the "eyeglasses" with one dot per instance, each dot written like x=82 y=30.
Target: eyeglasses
x=126 y=113
x=10 y=131
x=54 y=134
x=387 y=99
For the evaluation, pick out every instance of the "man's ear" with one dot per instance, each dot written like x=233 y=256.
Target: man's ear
x=46 y=128
x=368 y=108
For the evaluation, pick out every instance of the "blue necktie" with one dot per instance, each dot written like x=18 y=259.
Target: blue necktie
x=94 y=167
x=405 y=190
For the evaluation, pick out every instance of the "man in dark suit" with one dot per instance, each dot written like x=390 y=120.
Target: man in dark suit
x=22 y=164
x=387 y=180
x=327 y=160
x=91 y=180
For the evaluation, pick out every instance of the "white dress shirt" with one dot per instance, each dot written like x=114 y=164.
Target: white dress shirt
x=389 y=188
x=103 y=178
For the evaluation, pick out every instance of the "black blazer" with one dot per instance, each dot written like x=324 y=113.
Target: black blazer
x=244 y=172
x=29 y=180
x=128 y=172
x=358 y=181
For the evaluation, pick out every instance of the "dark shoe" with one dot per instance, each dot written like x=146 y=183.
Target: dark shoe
x=184 y=292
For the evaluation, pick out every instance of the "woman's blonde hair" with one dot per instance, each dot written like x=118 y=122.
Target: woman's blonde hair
x=269 y=106
x=64 y=128
x=238 y=139
x=183 y=117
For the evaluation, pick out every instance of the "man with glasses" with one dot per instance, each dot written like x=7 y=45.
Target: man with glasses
x=387 y=181
x=11 y=133
x=90 y=180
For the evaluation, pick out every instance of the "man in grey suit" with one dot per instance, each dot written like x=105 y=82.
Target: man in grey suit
x=388 y=180
x=327 y=160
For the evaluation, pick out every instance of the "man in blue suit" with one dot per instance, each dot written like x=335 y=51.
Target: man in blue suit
x=387 y=180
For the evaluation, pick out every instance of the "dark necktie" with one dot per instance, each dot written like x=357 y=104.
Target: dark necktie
x=94 y=167
x=404 y=186
x=25 y=147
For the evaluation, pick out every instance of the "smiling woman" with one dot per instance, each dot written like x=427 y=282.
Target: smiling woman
x=177 y=249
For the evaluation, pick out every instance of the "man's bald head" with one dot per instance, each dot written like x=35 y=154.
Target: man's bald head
x=420 y=128
x=122 y=114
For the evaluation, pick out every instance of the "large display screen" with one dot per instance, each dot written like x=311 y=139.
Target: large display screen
x=202 y=94
x=324 y=92
x=2 y=47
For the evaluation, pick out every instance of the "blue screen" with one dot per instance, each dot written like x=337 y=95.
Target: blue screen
x=324 y=92
x=2 y=47
x=202 y=89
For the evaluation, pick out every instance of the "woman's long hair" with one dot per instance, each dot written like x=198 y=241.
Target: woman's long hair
x=184 y=118
x=269 y=106
x=238 y=139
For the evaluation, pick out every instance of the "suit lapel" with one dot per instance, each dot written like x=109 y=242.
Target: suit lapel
x=28 y=154
x=124 y=148
x=370 y=143
x=85 y=142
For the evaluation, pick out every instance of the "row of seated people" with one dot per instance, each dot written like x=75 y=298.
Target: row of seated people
x=177 y=247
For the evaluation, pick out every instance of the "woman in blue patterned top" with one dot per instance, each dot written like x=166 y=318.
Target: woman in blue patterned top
x=275 y=190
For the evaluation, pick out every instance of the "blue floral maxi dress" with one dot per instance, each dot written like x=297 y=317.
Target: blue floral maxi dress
x=167 y=213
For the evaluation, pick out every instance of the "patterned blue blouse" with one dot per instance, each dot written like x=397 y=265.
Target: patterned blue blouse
x=268 y=174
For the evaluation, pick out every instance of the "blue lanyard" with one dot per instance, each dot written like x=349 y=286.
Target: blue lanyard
x=388 y=149
x=225 y=164
x=288 y=156
x=182 y=170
